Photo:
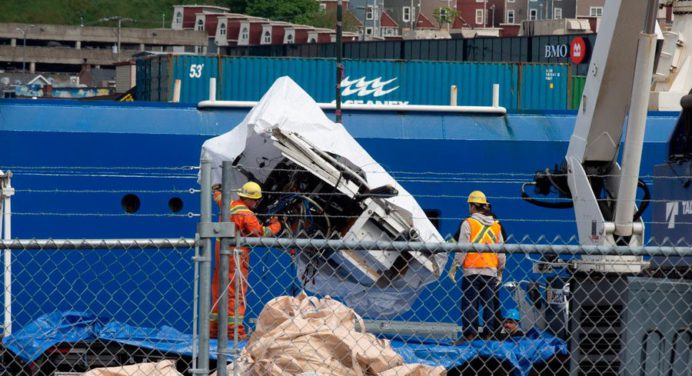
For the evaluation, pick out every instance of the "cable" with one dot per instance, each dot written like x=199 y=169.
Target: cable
x=544 y=204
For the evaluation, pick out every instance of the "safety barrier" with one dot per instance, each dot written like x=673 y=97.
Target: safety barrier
x=321 y=300
x=82 y=304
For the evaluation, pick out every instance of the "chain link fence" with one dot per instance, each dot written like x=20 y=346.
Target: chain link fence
x=79 y=305
x=320 y=299
x=83 y=304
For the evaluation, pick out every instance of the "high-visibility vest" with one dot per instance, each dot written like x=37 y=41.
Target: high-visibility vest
x=482 y=234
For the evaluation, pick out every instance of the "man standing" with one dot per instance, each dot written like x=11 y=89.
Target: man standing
x=246 y=224
x=482 y=270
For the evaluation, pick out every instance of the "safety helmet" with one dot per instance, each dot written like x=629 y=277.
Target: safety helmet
x=250 y=190
x=511 y=314
x=477 y=197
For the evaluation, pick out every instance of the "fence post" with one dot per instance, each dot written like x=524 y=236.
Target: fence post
x=204 y=270
x=6 y=193
x=223 y=272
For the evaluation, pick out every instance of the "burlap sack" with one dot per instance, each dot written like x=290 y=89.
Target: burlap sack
x=306 y=334
x=162 y=368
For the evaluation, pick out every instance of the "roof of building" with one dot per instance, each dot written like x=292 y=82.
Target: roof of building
x=459 y=23
x=223 y=9
x=423 y=22
x=387 y=21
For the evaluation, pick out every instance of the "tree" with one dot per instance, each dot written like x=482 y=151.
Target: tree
x=297 y=11
x=327 y=19
x=445 y=15
x=237 y=6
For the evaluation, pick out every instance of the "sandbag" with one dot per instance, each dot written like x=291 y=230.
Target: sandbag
x=162 y=368
x=302 y=334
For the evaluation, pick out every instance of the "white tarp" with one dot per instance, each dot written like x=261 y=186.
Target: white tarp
x=288 y=107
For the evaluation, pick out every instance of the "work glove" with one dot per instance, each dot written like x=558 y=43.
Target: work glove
x=452 y=273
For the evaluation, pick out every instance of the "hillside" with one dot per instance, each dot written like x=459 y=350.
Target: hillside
x=148 y=13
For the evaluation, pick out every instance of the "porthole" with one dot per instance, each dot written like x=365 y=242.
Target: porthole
x=130 y=203
x=175 y=204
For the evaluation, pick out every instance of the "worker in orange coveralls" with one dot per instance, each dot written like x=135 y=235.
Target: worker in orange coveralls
x=246 y=224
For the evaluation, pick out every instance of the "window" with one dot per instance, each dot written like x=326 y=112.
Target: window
x=178 y=18
x=323 y=7
x=533 y=14
x=406 y=14
x=222 y=29
x=267 y=37
x=479 y=17
x=312 y=40
x=510 y=1
x=369 y=13
x=368 y=31
x=244 y=33
x=510 y=16
x=557 y=13
x=289 y=39
x=596 y=11
x=200 y=24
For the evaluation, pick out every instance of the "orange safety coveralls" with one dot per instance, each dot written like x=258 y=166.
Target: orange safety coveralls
x=246 y=225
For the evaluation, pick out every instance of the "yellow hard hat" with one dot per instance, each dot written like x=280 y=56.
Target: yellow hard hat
x=477 y=197
x=251 y=190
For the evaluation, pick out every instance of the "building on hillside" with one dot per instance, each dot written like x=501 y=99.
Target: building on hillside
x=225 y=29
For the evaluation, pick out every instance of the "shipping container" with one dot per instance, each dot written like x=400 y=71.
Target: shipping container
x=365 y=81
x=156 y=76
x=535 y=49
x=375 y=82
x=543 y=87
x=578 y=83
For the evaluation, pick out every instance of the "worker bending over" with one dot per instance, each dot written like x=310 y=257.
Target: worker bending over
x=246 y=224
x=482 y=270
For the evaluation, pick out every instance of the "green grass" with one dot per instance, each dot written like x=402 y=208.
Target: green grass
x=148 y=13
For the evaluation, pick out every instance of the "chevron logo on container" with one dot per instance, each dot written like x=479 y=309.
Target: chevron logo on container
x=362 y=87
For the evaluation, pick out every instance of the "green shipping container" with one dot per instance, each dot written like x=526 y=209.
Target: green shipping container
x=577 y=89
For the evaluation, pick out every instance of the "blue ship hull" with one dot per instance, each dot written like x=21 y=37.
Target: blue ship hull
x=74 y=161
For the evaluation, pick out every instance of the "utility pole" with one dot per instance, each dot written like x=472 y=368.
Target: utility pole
x=485 y=13
x=163 y=20
x=24 y=31
x=339 y=66
x=120 y=23
x=411 y=14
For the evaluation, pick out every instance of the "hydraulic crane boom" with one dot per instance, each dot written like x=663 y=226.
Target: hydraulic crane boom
x=616 y=95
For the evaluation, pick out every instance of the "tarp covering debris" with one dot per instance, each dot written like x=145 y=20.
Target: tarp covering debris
x=288 y=143
x=29 y=342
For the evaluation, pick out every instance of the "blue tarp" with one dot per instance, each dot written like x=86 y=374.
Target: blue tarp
x=521 y=352
x=59 y=327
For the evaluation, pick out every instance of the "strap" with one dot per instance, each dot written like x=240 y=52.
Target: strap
x=237 y=208
x=231 y=319
x=485 y=230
